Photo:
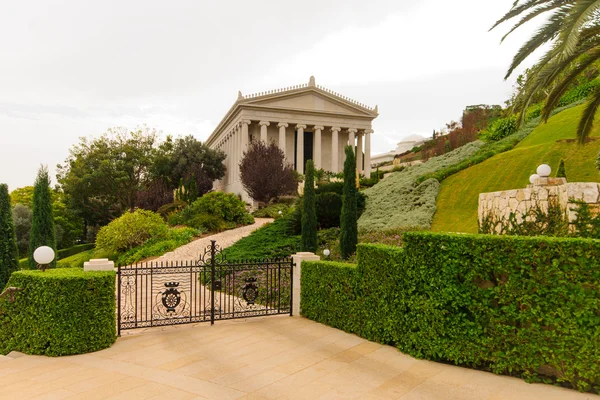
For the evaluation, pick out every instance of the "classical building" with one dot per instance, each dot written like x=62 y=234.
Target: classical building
x=308 y=122
x=405 y=145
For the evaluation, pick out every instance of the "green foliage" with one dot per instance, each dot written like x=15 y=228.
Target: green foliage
x=130 y=230
x=207 y=223
x=59 y=312
x=561 y=172
x=64 y=253
x=405 y=198
x=349 y=215
x=9 y=253
x=269 y=241
x=309 y=211
x=329 y=210
x=510 y=168
x=501 y=128
x=586 y=224
x=176 y=237
x=22 y=195
x=272 y=210
x=511 y=305
x=42 y=225
x=22 y=217
x=77 y=260
x=166 y=209
x=338 y=187
x=224 y=205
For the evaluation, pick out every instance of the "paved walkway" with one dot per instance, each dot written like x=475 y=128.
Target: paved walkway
x=192 y=250
x=263 y=358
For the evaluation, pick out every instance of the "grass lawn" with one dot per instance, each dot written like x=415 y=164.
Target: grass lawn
x=549 y=143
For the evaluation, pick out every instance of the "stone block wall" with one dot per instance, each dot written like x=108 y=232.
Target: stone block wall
x=545 y=191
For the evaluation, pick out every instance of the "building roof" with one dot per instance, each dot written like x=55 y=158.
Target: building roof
x=262 y=100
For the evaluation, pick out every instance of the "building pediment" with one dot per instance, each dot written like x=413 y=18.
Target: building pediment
x=309 y=100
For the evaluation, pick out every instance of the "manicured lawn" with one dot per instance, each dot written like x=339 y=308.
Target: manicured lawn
x=458 y=198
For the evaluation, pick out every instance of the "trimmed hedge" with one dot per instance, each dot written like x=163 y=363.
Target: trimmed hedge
x=59 y=312
x=71 y=251
x=525 y=306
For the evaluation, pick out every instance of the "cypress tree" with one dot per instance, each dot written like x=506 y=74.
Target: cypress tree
x=309 y=210
x=42 y=225
x=9 y=254
x=349 y=217
x=561 y=172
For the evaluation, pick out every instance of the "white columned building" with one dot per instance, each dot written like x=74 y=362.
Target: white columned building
x=306 y=121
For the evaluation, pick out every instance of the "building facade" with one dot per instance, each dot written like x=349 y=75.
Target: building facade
x=308 y=122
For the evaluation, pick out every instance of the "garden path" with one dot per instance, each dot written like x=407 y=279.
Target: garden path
x=193 y=250
x=260 y=358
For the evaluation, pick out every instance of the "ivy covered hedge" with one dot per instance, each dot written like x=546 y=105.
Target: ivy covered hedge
x=525 y=306
x=59 y=312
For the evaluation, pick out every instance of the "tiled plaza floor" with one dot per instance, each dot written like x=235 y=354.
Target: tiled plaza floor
x=262 y=358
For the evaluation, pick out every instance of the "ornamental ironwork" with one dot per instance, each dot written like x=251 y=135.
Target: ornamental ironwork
x=207 y=289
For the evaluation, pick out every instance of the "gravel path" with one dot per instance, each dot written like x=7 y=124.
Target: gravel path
x=192 y=250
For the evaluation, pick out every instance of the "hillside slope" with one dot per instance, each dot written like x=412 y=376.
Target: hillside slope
x=548 y=143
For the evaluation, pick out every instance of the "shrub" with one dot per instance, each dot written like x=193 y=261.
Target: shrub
x=349 y=216
x=22 y=217
x=223 y=205
x=329 y=208
x=208 y=223
x=497 y=303
x=59 y=312
x=265 y=174
x=176 y=237
x=338 y=187
x=169 y=208
x=130 y=230
x=501 y=128
x=561 y=172
x=309 y=212
x=272 y=211
x=42 y=225
x=9 y=254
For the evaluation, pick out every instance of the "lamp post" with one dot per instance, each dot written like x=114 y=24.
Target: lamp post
x=43 y=256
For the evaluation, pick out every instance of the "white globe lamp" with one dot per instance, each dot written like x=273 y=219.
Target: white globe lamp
x=326 y=253
x=43 y=255
x=533 y=177
x=544 y=170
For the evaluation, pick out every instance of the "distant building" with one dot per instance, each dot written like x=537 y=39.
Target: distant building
x=402 y=147
x=308 y=122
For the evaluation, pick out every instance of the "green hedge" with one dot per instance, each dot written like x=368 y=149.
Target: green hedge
x=71 y=251
x=525 y=306
x=59 y=312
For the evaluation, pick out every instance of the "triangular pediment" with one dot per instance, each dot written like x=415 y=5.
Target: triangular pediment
x=310 y=100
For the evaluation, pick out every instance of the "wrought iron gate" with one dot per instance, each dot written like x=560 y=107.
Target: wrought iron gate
x=208 y=289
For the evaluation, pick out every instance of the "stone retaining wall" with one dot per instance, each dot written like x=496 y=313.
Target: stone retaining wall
x=545 y=191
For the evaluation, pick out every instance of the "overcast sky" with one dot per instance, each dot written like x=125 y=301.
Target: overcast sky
x=76 y=68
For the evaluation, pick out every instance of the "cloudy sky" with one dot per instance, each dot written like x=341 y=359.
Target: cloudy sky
x=76 y=68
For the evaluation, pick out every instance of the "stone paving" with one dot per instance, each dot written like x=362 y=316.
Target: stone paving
x=262 y=358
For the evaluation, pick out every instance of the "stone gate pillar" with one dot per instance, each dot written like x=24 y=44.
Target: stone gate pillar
x=297 y=287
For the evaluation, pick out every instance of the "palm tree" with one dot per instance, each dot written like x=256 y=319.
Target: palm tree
x=573 y=30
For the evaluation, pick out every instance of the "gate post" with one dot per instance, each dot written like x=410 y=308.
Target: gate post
x=213 y=251
x=296 y=284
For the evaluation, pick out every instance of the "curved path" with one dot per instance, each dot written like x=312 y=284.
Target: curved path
x=192 y=250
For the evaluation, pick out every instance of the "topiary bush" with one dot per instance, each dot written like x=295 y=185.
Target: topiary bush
x=42 y=225
x=329 y=209
x=9 y=254
x=59 y=312
x=349 y=214
x=130 y=230
x=525 y=306
x=226 y=206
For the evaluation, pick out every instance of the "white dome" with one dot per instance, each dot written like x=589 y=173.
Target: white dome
x=412 y=138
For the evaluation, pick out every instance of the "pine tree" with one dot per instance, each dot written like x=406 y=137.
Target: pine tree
x=9 y=254
x=561 y=172
x=42 y=226
x=348 y=220
x=309 y=210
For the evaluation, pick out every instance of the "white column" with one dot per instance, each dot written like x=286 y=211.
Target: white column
x=335 y=149
x=238 y=155
x=245 y=124
x=298 y=258
x=282 y=136
x=368 y=152
x=263 y=130
x=351 y=133
x=359 y=152
x=229 y=161
x=317 y=146
x=300 y=149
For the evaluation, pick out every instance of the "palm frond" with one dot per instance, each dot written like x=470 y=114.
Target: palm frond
x=587 y=118
x=579 y=15
x=537 y=11
x=554 y=97
x=518 y=10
